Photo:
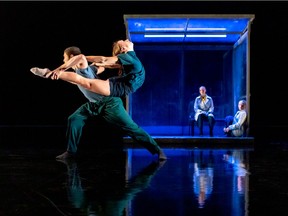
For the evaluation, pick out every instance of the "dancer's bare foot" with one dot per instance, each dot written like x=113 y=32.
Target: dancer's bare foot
x=42 y=72
x=161 y=156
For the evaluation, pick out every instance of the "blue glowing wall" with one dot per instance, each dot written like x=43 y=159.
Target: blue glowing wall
x=173 y=78
x=181 y=53
x=240 y=78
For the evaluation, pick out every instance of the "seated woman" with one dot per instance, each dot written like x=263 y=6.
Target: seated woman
x=204 y=109
x=131 y=71
x=236 y=126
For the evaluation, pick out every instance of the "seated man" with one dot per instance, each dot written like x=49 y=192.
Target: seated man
x=204 y=108
x=236 y=126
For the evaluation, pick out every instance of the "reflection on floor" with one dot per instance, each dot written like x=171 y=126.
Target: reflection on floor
x=123 y=179
x=129 y=181
x=198 y=141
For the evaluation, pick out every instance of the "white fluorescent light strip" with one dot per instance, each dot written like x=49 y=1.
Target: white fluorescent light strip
x=164 y=36
x=206 y=29
x=222 y=36
x=182 y=29
x=182 y=36
x=164 y=29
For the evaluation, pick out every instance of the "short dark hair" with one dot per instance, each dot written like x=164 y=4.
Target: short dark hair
x=73 y=50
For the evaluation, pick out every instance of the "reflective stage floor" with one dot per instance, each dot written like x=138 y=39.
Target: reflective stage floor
x=122 y=179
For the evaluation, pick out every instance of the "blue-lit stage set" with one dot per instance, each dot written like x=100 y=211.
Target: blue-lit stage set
x=182 y=52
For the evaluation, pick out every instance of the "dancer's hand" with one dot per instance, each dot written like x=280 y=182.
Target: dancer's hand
x=55 y=74
x=96 y=59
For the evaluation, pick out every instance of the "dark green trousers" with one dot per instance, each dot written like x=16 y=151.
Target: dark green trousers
x=111 y=109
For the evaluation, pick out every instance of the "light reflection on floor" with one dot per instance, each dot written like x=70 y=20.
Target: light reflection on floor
x=130 y=182
x=195 y=181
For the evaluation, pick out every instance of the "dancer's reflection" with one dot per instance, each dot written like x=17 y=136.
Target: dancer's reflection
x=237 y=159
x=203 y=176
x=106 y=194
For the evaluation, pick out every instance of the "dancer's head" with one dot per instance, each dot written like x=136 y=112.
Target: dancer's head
x=70 y=52
x=122 y=46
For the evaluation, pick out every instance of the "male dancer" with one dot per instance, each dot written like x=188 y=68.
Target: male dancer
x=109 y=108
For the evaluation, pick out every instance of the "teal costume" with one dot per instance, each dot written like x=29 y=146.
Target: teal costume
x=133 y=75
x=111 y=109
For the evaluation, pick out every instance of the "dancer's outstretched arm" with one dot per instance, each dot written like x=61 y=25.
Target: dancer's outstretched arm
x=79 y=60
x=103 y=61
x=95 y=59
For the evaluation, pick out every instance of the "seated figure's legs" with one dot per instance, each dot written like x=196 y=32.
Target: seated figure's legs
x=228 y=121
x=200 y=120
x=211 y=121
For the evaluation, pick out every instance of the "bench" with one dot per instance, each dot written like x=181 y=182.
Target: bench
x=192 y=124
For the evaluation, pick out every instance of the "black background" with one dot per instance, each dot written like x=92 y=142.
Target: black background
x=36 y=33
